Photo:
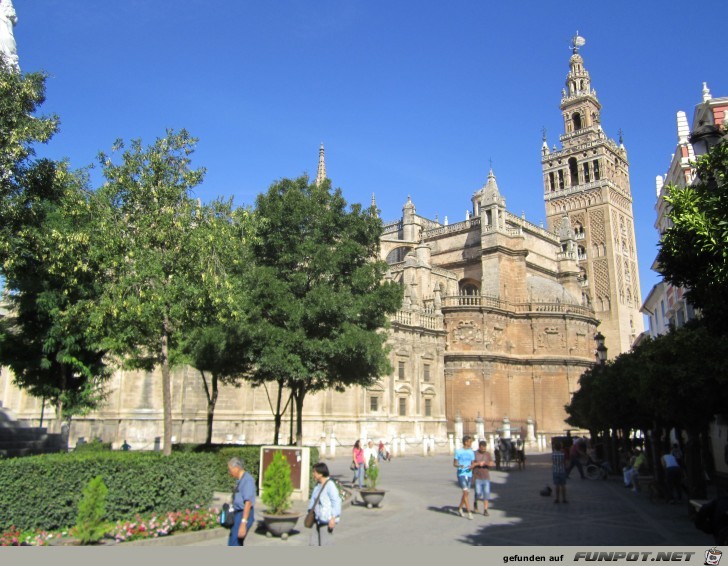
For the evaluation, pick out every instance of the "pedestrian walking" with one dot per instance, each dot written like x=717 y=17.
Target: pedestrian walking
x=481 y=476
x=463 y=461
x=673 y=477
x=243 y=502
x=326 y=507
x=357 y=457
x=558 y=469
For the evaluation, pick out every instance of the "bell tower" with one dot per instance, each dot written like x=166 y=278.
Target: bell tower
x=587 y=183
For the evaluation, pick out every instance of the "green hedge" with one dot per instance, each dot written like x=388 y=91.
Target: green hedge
x=42 y=492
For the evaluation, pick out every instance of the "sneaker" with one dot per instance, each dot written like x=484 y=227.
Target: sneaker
x=470 y=516
x=486 y=513
x=460 y=510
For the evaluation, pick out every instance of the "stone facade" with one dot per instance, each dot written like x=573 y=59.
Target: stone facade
x=497 y=323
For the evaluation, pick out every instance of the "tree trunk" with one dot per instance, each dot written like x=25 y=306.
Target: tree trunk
x=695 y=473
x=277 y=417
x=211 y=402
x=166 y=391
x=298 y=395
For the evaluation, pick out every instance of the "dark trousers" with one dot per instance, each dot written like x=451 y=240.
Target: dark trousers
x=673 y=478
x=575 y=463
x=234 y=539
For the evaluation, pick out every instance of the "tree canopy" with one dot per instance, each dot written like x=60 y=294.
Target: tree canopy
x=317 y=291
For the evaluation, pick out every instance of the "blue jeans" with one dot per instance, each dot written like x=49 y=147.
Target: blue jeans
x=233 y=539
x=482 y=490
x=359 y=476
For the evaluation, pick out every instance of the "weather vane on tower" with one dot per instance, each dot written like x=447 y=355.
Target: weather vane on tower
x=576 y=42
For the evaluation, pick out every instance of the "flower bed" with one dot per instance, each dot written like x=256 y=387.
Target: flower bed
x=158 y=525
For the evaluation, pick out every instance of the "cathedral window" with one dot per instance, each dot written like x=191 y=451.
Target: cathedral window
x=426 y=376
x=573 y=172
x=586 y=173
x=402 y=407
x=428 y=407
x=579 y=231
x=596 y=170
x=552 y=182
x=374 y=404
x=400 y=371
x=561 y=179
x=581 y=253
x=576 y=117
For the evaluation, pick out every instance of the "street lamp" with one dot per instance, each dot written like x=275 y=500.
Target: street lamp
x=601 y=348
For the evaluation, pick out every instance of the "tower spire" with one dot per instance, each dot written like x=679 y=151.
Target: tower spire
x=321 y=173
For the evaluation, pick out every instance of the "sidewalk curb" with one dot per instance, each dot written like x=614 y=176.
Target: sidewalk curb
x=180 y=539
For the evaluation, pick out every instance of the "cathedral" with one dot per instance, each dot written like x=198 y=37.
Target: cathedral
x=497 y=324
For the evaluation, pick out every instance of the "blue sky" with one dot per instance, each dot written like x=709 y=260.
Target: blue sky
x=409 y=98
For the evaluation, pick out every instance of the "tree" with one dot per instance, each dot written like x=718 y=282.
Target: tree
x=143 y=235
x=44 y=338
x=217 y=342
x=44 y=212
x=693 y=252
x=317 y=292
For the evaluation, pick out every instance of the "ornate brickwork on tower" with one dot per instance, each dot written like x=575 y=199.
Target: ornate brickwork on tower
x=588 y=181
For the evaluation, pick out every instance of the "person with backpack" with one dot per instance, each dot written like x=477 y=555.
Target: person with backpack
x=243 y=502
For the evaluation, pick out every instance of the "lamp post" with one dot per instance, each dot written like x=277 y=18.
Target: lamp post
x=601 y=353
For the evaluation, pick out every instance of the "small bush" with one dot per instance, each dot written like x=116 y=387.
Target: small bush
x=372 y=473
x=90 y=526
x=277 y=485
x=94 y=446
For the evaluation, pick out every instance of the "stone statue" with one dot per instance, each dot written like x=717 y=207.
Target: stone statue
x=8 y=48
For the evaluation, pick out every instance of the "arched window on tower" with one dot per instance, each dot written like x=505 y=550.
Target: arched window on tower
x=596 y=169
x=573 y=171
x=579 y=231
x=587 y=177
x=552 y=182
x=561 y=179
x=581 y=253
x=576 y=117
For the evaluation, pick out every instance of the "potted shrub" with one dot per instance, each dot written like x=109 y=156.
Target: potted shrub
x=277 y=490
x=371 y=495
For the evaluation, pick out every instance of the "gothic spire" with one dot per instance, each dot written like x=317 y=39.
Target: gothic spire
x=321 y=173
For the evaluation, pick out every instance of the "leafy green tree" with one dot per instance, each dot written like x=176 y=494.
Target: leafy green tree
x=44 y=341
x=693 y=252
x=144 y=237
x=90 y=527
x=316 y=292
x=217 y=342
x=44 y=211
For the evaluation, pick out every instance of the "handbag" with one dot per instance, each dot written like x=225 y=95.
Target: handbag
x=310 y=519
x=227 y=513
x=353 y=467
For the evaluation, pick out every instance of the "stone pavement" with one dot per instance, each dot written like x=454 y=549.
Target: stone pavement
x=420 y=508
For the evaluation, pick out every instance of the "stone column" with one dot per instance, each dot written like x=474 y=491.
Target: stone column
x=491 y=443
x=332 y=452
x=506 y=427
x=322 y=448
x=530 y=430
x=458 y=431
x=480 y=430
x=452 y=443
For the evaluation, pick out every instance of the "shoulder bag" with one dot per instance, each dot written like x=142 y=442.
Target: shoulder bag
x=311 y=515
x=227 y=513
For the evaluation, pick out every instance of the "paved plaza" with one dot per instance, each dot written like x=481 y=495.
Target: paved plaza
x=420 y=508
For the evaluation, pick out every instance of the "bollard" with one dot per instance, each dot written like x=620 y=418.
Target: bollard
x=322 y=448
x=332 y=452
x=395 y=447
x=452 y=443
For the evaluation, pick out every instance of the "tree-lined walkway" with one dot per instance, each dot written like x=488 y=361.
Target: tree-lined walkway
x=420 y=508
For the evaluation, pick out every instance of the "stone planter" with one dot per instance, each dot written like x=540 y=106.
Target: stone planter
x=280 y=525
x=372 y=497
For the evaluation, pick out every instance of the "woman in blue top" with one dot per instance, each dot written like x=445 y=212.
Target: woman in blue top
x=463 y=461
x=328 y=507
